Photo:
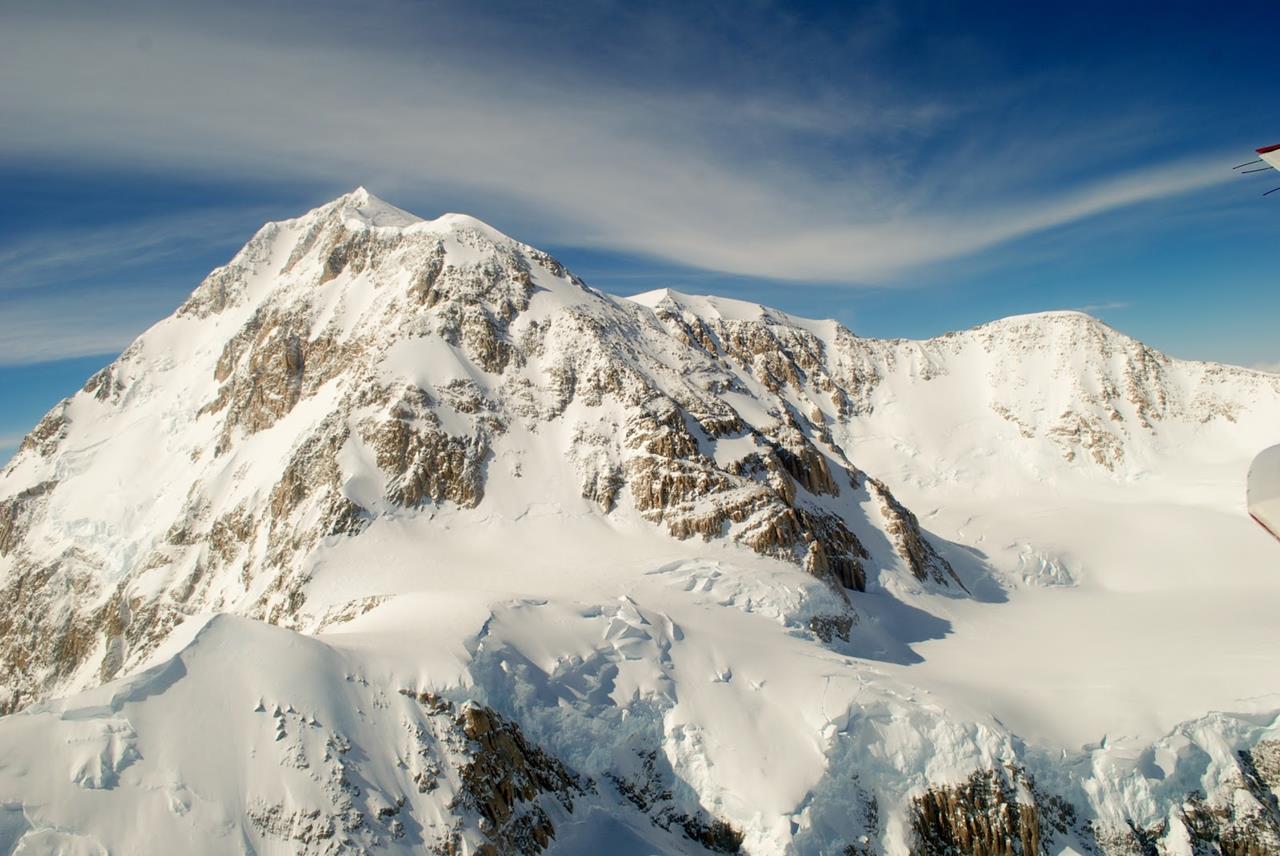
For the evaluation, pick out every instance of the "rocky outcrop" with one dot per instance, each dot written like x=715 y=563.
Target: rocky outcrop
x=981 y=817
x=227 y=286
x=1262 y=763
x=503 y=786
x=305 y=506
x=45 y=641
x=775 y=353
x=755 y=503
x=470 y=784
x=803 y=462
x=903 y=528
x=18 y=511
x=504 y=781
x=1002 y=812
x=1242 y=819
x=422 y=462
x=271 y=364
x=831 y=627
x=1077 y=433
x=763 y=499
x=48 y=433
x=646 y=789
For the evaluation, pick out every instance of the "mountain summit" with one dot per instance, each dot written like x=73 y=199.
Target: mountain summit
x=397 y=535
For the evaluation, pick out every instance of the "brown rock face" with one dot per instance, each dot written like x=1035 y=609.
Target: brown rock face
x=834 y=552
x=422 y=462
x=762 y=500
x=804 y=463
x=775 y=354
x=981 y=817
x=266 y=368
x=903 y=527
x=44 y=438
x=1264 y=759
x=1002 y=812
x=505 y=780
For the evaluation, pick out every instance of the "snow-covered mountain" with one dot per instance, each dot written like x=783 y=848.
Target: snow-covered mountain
x=397 y=536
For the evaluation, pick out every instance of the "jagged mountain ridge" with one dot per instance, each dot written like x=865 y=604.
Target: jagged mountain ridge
x=316 y=436
x=390 y=362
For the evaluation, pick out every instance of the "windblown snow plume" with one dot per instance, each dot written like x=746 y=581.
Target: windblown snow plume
x=398 y=537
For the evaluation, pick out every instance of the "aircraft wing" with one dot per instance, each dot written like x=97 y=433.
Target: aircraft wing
x=1263 y=494
x=1270 y=155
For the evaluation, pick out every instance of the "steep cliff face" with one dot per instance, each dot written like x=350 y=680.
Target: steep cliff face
x=1003 y=813
x=689 y=564
x=983 y=817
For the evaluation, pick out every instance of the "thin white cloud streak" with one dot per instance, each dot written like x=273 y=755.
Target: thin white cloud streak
x=41 y=326
x=43 y=318
x=883 y=250
x=34 y=260
x=647 y=172
x=1105 y=306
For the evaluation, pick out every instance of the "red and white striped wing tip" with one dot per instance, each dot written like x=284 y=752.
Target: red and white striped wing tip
x=1263 y=494
x=1270 y=154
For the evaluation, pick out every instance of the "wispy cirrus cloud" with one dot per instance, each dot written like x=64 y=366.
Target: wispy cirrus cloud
x=35 y=260
x=89 y=291
x=860 y=183
x=1105 y=306
x=41 y=326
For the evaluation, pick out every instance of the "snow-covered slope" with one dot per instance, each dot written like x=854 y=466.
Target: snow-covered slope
x=397 y=535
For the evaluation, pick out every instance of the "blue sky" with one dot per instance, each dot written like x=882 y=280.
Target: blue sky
x=907 y=168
